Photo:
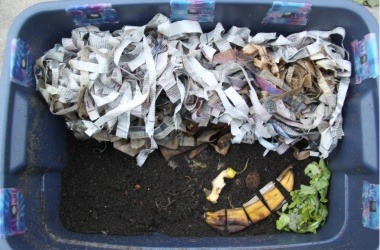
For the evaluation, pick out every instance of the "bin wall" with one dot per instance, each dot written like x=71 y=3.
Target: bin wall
x=33 y=141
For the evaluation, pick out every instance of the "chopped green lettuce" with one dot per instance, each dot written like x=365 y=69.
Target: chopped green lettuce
x=308 y=209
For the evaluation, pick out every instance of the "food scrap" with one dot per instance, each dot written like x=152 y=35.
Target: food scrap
x=308 y=210
x=252 y=180
x=218 y=184
x=227 y=221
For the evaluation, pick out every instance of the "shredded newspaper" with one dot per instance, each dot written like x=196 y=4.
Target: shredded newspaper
x=170 y=86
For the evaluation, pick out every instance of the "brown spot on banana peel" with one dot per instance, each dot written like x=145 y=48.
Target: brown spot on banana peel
x=228 y=220
x=237 y=220
x=216 y=220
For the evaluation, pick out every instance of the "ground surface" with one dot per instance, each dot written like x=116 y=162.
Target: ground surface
x=108 y=193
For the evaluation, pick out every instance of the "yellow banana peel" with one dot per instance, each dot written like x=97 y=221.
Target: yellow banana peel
x=233 y=220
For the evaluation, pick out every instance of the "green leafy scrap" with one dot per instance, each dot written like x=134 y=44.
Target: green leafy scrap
x=308 y=209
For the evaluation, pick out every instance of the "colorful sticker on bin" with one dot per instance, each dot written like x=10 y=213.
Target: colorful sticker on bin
x=21 y=70
x=287 y=13
x=371 y=205
x=366 y=58
x=196 y=10
x=92 y=14
x=12 y=209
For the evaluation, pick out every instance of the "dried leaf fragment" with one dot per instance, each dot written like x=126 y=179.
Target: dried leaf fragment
x=252 y=181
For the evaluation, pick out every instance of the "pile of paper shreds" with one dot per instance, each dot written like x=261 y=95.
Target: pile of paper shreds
x=170 y=86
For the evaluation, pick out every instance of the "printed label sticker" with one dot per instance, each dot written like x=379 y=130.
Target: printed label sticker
x=370 y=205
x=195 y=10
x=366 y=58
x=288 y=13
x=92 y=14
x=21 y=70
x=12 y=214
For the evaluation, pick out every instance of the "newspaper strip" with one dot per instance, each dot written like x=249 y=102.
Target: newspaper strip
x=169 y=85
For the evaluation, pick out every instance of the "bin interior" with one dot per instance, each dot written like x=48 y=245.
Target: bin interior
x=33 y=153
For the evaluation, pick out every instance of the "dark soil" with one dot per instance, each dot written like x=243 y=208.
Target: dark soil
x=108 y=193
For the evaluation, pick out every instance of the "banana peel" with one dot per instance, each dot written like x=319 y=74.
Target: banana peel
x=227 y=221
x=218 y=184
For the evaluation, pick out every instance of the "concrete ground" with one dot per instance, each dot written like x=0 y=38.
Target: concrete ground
x=9 y=9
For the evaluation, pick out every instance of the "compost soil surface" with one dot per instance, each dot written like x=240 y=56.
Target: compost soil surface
x=107 y=193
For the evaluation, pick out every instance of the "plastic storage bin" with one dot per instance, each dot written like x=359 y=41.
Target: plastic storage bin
x=33 y=141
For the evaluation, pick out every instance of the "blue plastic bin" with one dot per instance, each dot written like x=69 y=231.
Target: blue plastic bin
x=33 y=141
